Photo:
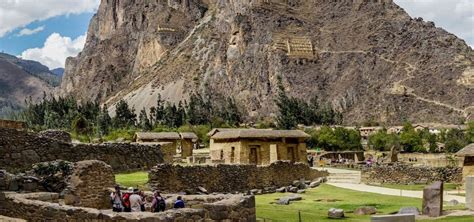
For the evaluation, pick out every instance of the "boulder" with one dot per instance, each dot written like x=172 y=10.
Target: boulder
x=334 y=213
x=281 y=190
x=314 y=184
x=409 y=210
x=202 y=190
x=366 y=210
x=283 y=201
x=433 y=199
x=293 y=189
x=301 y=191
x=294 y=197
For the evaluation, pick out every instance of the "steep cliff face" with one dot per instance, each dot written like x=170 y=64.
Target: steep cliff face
x=368 y=59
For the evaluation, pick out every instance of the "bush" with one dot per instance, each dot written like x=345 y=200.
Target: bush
x=126 y=134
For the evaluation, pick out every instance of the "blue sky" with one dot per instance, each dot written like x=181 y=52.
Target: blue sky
x=49 y=31
x=72 y=26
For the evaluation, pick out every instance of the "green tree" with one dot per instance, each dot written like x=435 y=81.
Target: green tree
x=286 y=118
x=383 y=141
x=470 y=132
x=455 y=140
x=433 y=146
x=145 y=123
x=410 y=140
x=124 y=116
x=104 y=121
x=81 y=126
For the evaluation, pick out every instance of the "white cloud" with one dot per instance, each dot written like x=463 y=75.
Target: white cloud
x=18 y=13
x=455 y=16
x=55 y=50
x=27 y=31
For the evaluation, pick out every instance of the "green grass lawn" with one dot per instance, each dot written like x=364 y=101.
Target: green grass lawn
x=417 y=187
x=136 y=179
x=316 y=203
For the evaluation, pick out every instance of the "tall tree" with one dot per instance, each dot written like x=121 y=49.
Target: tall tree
x=145 y=123
x=104 y=121
x=286 y=118
x=124 y=116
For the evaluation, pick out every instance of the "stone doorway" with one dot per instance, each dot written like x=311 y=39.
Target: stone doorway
x=291 y=153
x=253 y=156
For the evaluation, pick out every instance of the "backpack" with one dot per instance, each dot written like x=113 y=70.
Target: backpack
x=160 y=205
x=126 y=201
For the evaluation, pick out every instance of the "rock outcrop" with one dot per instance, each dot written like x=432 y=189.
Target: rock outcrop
x=368 y=59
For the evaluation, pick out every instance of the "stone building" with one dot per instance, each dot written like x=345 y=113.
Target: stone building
x=468 y=164
x=257 y=146
x=189 y=142
x=365 y=132
x=10 y=124
x=184 y=143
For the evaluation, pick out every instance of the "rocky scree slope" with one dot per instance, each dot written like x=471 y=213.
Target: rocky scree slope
x=368 y=59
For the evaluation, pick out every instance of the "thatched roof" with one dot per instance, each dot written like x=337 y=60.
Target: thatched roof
x=157 y=136
x=466 y=151
x=257 y=133
x=188 y=135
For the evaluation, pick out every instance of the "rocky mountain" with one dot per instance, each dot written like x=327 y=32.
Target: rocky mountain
x=21 y=79
x=58 y=72
x=367 y=58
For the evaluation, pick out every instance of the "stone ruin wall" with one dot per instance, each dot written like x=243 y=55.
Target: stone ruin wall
x=88 y=185
x=229 y=178
x=406 y=174
x=45 y=207
x=20 y=149
x=88 y=192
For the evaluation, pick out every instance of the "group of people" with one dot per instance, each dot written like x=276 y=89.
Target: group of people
x=134 y=200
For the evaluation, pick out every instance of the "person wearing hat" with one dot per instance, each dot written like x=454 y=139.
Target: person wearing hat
x=126 y=200
x=136 y=201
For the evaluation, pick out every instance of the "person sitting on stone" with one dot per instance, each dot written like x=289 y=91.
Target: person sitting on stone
x=116 y=199
x=135 y=201
x=158 y=204
x=179 y=203
x=126 y=200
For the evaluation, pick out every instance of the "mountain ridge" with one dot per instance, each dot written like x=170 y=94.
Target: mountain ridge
x=368 y=59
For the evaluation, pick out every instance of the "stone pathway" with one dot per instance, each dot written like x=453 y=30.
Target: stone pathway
x=342 y=180
x=393 y=192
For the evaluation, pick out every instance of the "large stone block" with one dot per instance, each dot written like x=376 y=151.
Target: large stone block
x=433 y=199
x=470 y=192
x=393 y=218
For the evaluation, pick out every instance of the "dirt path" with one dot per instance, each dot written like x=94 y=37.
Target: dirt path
x=400 y=88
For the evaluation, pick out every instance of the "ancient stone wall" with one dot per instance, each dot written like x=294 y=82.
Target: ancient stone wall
x=88 y=185
x=229 y=178
x=20 y=149
x=45 y=207
x=406 y=174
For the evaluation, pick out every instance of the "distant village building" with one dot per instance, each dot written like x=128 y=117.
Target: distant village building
x=183 y=142
x=395 y=130
x=468 y=164
x=257 y=146
x=365 y=132
x=10 y=124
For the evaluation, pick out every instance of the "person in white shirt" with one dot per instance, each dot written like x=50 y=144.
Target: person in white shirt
x=136 y=201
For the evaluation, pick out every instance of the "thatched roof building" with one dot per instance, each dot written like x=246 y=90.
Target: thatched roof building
x=152 y=136
x=256 y=133
x=466 y=151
